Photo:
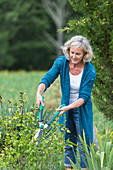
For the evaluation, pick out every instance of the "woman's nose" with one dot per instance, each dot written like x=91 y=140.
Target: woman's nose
x=74 y=56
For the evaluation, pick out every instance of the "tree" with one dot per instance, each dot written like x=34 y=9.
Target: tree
x=96 y=23
x=21 y=35
x=58 y=11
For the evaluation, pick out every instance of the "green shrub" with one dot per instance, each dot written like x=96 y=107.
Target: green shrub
x=17 y=133
x=96 y=23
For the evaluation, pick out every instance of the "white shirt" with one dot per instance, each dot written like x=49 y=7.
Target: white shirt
x=74 y=87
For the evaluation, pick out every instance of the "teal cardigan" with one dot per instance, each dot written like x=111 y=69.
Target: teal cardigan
x=61 y=66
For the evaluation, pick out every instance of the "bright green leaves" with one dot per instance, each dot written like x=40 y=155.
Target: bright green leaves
x=97 y=159
x=18 y=130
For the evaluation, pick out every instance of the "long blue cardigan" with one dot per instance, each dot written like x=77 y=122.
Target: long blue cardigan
x=61 y=66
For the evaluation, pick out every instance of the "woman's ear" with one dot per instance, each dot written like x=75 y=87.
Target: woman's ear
x=68 y=50
x=84 y=54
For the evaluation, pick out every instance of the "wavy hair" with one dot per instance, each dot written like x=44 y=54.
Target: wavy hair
x=78 y=41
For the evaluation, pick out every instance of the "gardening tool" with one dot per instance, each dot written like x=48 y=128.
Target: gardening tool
x=41 y=125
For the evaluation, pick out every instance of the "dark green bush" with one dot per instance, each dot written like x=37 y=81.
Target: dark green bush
x=96 y=23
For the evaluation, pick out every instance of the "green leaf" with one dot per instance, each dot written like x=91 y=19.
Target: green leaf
x=102 y=158
x=86 y=150
x=73 y=165
x=93 y=158
x=108 y=148
x=110 y=163
x=100 y=142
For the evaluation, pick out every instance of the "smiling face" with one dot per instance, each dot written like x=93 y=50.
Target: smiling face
x=76 y=55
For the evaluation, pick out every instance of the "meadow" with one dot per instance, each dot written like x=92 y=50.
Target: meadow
x=14 y=82
x=11 y=83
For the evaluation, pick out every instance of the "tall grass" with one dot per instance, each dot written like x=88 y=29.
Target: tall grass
x=13 y=82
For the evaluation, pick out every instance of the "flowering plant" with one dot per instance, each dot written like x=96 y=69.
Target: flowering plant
x=18 y=130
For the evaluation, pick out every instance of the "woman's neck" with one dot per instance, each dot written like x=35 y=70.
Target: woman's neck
x=76 y=69
x=75 y=66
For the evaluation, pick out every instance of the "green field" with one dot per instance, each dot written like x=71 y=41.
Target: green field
x=14 y=82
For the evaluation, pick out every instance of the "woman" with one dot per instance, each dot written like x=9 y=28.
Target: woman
x=77 y=76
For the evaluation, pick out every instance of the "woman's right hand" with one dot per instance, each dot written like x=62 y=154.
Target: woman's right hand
x=39 y=100
x=40 y=90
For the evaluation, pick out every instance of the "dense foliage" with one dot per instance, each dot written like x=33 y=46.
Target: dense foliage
x=96 y=23
x=18 y=149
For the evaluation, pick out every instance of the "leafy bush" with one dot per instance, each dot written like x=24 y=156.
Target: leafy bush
x=96 y=23
x=97 y=159
x=17 y=133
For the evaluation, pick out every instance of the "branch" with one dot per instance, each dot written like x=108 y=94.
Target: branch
x=57 y=11
x=51 y=39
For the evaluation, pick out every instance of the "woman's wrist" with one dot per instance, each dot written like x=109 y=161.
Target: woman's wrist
x=70 y=106
x=39 y=93
x=76 y=104
x=41 y=89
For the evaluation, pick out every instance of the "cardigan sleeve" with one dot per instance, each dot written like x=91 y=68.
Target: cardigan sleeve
x=51 y=75
x=87 y=86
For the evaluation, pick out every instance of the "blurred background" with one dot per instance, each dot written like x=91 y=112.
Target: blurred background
x=29 y=36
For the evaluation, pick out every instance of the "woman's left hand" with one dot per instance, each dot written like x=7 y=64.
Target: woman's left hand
x=62 y=110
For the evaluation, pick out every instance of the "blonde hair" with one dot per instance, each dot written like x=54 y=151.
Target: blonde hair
x=78 y=41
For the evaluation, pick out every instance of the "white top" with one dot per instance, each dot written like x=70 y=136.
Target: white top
x=74 y=86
